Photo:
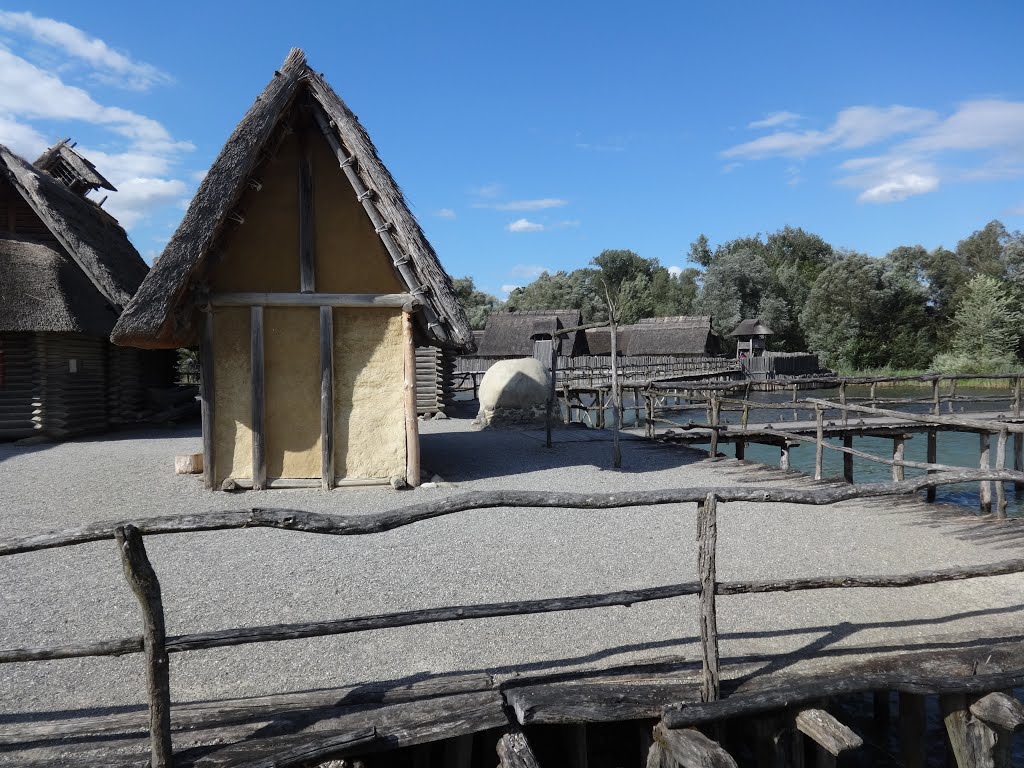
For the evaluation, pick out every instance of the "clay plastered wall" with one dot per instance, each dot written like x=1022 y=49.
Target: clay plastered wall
x=232 y=402
x=369 y=418
x=350 y=257
x=291 y=358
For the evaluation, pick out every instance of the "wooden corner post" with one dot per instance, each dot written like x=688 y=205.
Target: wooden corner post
x=259 y=432
x=412 y=432
x=206 y=397
x=143 y=582
x=326 y=398
x=707 y=535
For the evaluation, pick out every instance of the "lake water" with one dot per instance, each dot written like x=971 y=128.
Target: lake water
x=953 y=448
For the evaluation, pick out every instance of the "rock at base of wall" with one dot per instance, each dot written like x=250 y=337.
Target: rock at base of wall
x=188 y=464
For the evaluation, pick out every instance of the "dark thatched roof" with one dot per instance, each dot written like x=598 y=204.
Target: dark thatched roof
x=90 y=236
x=752 y=327
x=674 y=335
x=162 y=314
x=42 y=289
x=511 y=334
x=85 y=172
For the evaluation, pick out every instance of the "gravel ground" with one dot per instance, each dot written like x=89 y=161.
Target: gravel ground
x=251 y=577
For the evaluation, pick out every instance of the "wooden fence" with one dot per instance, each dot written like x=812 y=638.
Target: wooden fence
x=156 y=645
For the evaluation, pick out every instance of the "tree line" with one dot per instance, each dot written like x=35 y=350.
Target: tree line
x=950 y=310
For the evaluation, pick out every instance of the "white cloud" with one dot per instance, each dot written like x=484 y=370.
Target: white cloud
x=489 y=190
x=524 y=225
x=526 y=270
x=110 y=66
x=539 y=204
x=983 y=124
x=507 y=289
x=853 y=127
x=139 y=154
x=775 y=119
x=899 y=188
x=198 y=176
x=889 y=179
x=675 y=271
x=444 y=213
x=730 y=167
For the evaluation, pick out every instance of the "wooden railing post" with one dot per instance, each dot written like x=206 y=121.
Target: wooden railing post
x=819 y=440
x=935 y=395
x=952 y=394
x=985 y=488
x=1016 y=397
x=716 y=406
x=899 y=448
x=143 y=582
x=707 y=534
x=931 y=458
x=1000 y=465
x=848 y=458
x=842 y=401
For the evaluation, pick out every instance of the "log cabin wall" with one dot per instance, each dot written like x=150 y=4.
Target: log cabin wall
x=262 y=254
x=73 y=383
x=20 y=395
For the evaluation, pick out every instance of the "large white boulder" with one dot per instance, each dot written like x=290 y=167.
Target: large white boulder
x=514 y=392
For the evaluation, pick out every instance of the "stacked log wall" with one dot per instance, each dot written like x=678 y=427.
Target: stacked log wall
x=74 y=383
x=435 y=380
x=20 y=395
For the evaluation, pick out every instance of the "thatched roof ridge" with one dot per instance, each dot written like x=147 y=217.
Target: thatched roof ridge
x=679 y=321
x=512 y=334
x=161 y=314
x=672 y=335
x=752 y=327
x=43 y=290
x=81 y=165
x=91 y=236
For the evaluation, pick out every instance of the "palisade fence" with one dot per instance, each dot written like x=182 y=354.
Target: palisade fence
x=156 y=645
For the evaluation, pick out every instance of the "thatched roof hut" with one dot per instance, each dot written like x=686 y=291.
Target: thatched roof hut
x=752 y=327
x=305 y=279
x=67 y=270
x=514 y=334
x=166 y=312
x=751 y=338
x=672 y=336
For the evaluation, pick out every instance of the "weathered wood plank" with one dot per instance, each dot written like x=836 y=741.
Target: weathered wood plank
x=827 y=732
x=250 y=299
x=707 y=537
x=412 y=431
x=326 y=398
x=514 y=751
x=1000 y=709
x=206 y=399
x=144 y=584
x=950 y=421
x=256 y=372
x=307 y=278
x=692 y=749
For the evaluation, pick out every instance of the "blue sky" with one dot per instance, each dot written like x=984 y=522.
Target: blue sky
x=532 y=136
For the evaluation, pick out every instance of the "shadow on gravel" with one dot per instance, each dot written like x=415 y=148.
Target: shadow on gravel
x=467 y=455
x=190 y=429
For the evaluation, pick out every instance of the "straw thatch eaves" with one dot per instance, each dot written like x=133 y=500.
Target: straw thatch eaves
x=512 y=334
x=88 y=235
x=753 y=327
x=165 y=310
x=78 y=174
x=676 y=335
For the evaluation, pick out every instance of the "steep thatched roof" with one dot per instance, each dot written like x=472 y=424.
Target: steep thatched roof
x=752 y=327
x=42 y=289
x=62 y=162
x=162 y=314
x=673 y=335
x=91 y=237
x=511 y=334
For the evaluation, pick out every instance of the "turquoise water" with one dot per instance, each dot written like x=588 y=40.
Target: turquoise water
x=953 y=448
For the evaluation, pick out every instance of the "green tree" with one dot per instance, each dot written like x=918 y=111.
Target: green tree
x=478 y=305
x=986 y=329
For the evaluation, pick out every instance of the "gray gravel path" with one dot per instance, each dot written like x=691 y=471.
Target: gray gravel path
x=238 y=578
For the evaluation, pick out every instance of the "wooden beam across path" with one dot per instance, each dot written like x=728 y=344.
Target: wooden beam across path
x=249 y=299
x=927 y=419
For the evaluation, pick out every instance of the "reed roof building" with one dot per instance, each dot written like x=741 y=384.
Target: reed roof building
x=67 y=269
x=307 y=282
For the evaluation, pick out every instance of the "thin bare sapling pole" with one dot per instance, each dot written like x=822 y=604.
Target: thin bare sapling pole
x=616 y=395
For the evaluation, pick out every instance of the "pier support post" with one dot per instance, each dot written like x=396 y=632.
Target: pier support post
x=819 y=440
x=1001 y=464
x=848 y=458
x=842 y=401
x=935 y=395
x=713 y=422
x=1018 y=459
x=984 y=463
x=931 y=459
x=913 y=730
x=741 y=448
x=1016 y=397
x=784 y=458
x=973 y=742
x=899 y=449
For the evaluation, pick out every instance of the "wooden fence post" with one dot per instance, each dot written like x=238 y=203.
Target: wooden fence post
x=898 y=454
x=707 y=534
x=715 y=410
x=985 y=489
x=935 y=395
x=931 y=459
x=1016 y=398
x=952 y=393
x=842 y=401
x=143 y=582
x=848 y=458
x=1000 y=465
x=1018 y=459
x=819 y=439
x=650 y=414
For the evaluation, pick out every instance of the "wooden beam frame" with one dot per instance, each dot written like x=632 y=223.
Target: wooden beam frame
x=412 y=431
x=259 y=436
x=402 y=300
x=206 y=398
x=327 y=398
